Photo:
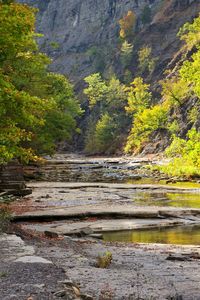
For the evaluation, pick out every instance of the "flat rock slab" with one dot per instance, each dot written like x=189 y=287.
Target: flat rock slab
x=78 y=185
x=33 y=260
x=89 y=227
x=13 y=247
x=55 y=194
x=26 y=273
x=109 y=211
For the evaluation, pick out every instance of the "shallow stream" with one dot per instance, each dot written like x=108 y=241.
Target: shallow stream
x=115 y=184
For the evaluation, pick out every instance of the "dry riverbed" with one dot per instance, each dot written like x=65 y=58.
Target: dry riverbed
x=59 y=226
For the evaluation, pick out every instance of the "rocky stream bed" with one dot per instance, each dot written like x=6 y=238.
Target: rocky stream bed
x=82 y=207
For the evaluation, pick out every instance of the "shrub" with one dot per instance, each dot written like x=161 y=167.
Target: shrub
x=146 y=62
x=126 y=53
x=104 y=260
x=144 y=124
x=185 y=154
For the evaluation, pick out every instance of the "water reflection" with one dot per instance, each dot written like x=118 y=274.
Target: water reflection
x=189 y=200
x=182 y=235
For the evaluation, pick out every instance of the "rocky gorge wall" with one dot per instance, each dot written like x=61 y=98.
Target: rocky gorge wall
x=73 y=28
x=82 y=36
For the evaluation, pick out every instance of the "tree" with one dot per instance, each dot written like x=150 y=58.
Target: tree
x=139 y=96
x=107 y=117
x=146 y=62
x=26 y=91
x=105 y=133
x=126 y=53
x=127 y=24
x=144 y=123
x=190 y=33
x=96 y=90
x=60 y=119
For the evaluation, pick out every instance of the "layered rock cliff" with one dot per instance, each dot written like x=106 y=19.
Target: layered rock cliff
x=74 y=28
x=82 y=36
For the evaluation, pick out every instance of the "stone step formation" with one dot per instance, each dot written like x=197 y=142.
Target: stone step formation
x=12 y=180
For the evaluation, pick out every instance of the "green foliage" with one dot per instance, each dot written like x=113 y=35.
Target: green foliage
x=107 y=118
x=104 y=134
x=146 y=62
x=104 y=260
x=190 y=33
x=193 y=114
x=126 y=53
x=185 y=154
x=139 y=96
x=60 y=120
x=16 y=31
x=6 y=1
x=28 y=103
x=54 y=45
x=145 y=119
x=127 y=76
x=98 y=139
x=96 y=90
x=175 y=91
x=144 y=123
x=173 y=127
x=98 y=57
x=190 y=73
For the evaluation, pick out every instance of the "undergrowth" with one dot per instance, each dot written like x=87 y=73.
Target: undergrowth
x=104 y=260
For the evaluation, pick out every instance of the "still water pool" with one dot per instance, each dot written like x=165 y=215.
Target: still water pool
x=180 y=235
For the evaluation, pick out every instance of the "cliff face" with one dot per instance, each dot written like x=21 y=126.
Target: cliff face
x=74 y=28
x=82 y=36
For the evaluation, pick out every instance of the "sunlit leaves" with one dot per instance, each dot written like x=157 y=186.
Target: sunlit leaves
x=185 y=154
x=107 y=117
x=139 y=96
x=37 y=108
x=144 y=123
x=190 y=73
x=190 y=33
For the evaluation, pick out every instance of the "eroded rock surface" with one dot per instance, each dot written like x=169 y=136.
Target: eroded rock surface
x=84 y=211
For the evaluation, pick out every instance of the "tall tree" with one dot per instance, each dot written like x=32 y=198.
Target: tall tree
x=25 y=97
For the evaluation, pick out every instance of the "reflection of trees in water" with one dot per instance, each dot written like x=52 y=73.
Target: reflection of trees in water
x=185 y=235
